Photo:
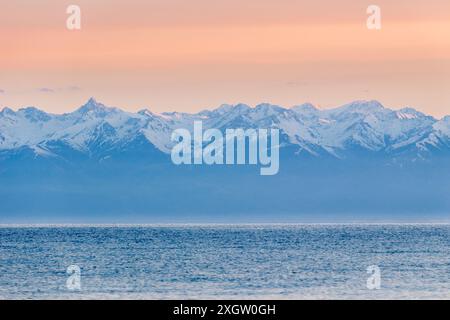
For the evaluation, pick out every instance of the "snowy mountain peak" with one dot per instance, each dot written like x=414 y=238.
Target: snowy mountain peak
x=409 y=113
x=34 y=114
x=224 y=108
x=361 y=106
x=7 y=111
x=92 y=107
x=92 y=100
x=305 y=108
x=268 y=107
x=146 y=112
x=446 y=119
x=241 y=107
x=443 y=126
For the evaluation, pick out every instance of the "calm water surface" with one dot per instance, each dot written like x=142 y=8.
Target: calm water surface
x=226 y=262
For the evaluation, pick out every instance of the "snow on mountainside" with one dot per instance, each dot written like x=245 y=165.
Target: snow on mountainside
x=93 y=122
x=361 y=125
x=442 y=127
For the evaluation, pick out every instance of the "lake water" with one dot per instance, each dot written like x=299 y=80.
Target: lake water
x=226 y=262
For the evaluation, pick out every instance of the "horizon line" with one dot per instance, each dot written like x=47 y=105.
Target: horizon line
x=215 y=224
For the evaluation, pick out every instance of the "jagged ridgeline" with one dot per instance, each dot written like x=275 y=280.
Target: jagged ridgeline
x=98 y=162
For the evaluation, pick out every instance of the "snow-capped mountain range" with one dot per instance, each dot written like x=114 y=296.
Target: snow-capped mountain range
x=99 y=131
x=103 y=164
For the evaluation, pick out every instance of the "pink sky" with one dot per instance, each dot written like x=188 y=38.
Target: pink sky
x=189 y=55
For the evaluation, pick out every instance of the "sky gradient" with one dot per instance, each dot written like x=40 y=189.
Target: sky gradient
x=190 y=55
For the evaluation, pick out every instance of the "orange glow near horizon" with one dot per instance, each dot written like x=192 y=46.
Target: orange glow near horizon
x=170 y=55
